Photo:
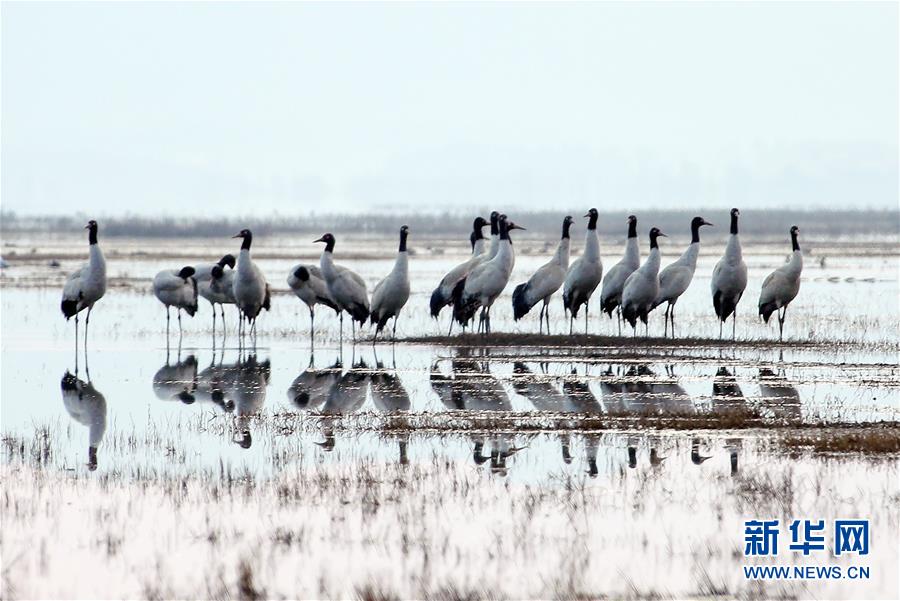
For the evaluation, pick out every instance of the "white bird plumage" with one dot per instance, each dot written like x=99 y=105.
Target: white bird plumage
x=782 y=285
x=251 y=291
x=584 y=274
x=614 y=282
x=729 y=278
x=486 y=281
x=676 y=277
x=642 y=286
x=308 y=284
x=214 y=284
x=541 y=286
x=346 y=287
x=443 y=294
x=392 y=292
x=86 y=285
x=176 y=288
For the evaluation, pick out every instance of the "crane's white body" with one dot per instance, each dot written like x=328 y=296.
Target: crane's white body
x=313 y=290
x=87 y=284
x=249 y=286
x=488 y=279
x=614 y=282
x=782 y=285
x=391 y=293
x=541 y=286
x=215 y=290
x=173 y=290
x=346 y=287
x=584 y=275
x=642 y=287
x=729 y=279
x=675 y=279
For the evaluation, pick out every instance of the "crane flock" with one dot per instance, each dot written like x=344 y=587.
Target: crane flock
x=631 y=289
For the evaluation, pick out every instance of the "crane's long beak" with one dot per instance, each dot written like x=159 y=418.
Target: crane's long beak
x=705 y=222
x=662 y=235
x=516 y=227
x=319 y=240
x=586 y=215
x=87 y=227
x=237 y=236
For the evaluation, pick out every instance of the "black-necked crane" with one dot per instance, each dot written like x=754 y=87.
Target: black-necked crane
x=782 y=285
x=210 y=285
x=347 y=288
x=676 y=277
x=642 y=286
x=486 y=281
x=584 y=274
x=729 y=278
x=251 y=291
x=443 y=294
x=541 y=286
x=86 y=285
x=391 y=293
x=307 y=282
x=614 y=282
x=176 y=288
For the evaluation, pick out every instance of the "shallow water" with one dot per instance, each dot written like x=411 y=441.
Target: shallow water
x=406 y=468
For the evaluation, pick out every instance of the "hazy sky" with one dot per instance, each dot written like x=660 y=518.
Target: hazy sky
x=227 y=107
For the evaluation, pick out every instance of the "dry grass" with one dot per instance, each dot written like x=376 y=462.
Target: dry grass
x=876 y=440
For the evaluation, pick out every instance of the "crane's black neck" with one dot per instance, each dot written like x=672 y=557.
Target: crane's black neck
x=695 y=232
x=566 y=225
x=653 y=244
x=495 y=227
x=504 y=231
x=632 y=228
x=248 y=240
x=592 y=222
x=477 y=234
x=329 y=245
x=472 y=238
x=92 y=235
x=403 y=234
x=795 y=243
x=734 y=223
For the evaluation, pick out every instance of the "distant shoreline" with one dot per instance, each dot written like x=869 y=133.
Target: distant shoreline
x=611 y=223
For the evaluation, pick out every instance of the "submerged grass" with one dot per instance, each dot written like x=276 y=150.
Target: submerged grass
x=875 y=440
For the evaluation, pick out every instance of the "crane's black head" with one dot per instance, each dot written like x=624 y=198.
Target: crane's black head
x=404 y=232
x=567 y=223
x=186 y=272
x=696 y=223
x=795 y=243
x=479 y=223
x=328 y=239
x=654 y=234
x=734 y=220
x=301 y=273
x=227 y=260
x=495 y=223
x=592 y=219
x=247 y=236
x=92 y=231
x=632 y=226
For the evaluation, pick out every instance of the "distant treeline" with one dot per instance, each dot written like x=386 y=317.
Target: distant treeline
x=753 y=221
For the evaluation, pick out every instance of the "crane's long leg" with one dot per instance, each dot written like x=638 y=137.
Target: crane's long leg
x=672 y=319
x=619 y=317
x=213 y=305
x=87 y=322
x=585 y=319
x=394 y=331
x=734 y=323
x=312 y=324
x=168 y=322
x=76 y=344
x=180 y=331
x=666 y=321
x=571 y=323
x=720 y=329
x=781 y=317
x=547 y=314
